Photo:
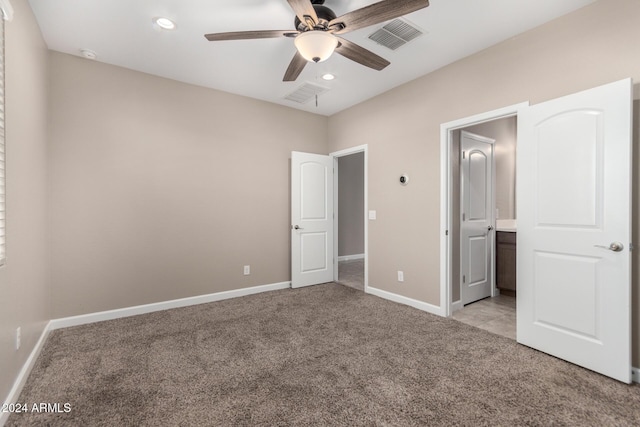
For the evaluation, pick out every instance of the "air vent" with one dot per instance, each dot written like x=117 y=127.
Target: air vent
x=395 y=34
x=305 y=93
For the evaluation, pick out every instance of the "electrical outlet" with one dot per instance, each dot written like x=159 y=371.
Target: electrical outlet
x=247 y=270
x=18 y=338
x=400 y=276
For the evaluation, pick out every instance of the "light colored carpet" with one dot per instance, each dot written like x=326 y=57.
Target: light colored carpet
x=323 y=355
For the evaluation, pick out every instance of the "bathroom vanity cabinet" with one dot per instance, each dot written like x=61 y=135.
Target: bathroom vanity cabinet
x=506 y=262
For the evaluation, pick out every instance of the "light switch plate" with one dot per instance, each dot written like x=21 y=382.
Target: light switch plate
x=372 y=214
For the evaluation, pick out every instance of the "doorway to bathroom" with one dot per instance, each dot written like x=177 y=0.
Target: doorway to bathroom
x=483 y=287
x=574 y=216
x=494 y=311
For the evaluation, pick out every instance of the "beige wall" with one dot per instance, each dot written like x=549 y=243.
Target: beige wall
x=162 y=190
x=590 y=47
x=24 y=280
x=351 y=204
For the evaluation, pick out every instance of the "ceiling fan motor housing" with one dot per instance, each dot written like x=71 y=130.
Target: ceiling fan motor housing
x=325 y=15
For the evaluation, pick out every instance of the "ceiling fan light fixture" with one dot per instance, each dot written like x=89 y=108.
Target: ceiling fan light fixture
x=316 y=45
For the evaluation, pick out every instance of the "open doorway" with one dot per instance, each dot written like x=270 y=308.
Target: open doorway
x=350 y=223
x=316 y=212
x=496 y=312
x=573 y=215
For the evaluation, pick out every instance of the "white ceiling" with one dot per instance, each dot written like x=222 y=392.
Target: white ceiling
x=121 y=33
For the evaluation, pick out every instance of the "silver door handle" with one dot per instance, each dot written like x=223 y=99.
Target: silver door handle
x=297 y=227
x=615 y=246
x=490 y=227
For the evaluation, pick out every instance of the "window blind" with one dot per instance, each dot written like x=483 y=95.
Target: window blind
x=2 y=149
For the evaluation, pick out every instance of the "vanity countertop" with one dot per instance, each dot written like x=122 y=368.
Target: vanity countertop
x=508 y=225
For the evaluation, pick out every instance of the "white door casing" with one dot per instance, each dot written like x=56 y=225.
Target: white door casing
x=312 y=219
x=574 y=201
x=476 y=236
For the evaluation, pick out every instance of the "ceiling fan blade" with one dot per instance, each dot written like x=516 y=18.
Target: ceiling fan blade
x=361 y=55
x=295 y=68
x=375 y=14
x=245 y=35
x=303 y=10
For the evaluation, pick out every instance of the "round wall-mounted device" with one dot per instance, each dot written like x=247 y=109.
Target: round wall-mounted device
x=404 y=179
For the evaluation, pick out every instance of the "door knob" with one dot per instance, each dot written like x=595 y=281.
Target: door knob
x=490 y=227
x=615 y=246
x=297 y=227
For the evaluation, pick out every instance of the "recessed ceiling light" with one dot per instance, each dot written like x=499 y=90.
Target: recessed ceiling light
x=164 y=23
x=328 y=76
x=88 y=53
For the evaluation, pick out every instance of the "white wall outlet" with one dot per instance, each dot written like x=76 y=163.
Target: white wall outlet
x=400 y=276
x=247 y=270
x=18 y=338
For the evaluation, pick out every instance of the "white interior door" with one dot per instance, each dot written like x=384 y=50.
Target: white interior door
x=312 y=219
x=574 y=228
x=476 y=236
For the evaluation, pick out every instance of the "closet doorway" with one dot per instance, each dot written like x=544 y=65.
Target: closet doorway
x=350 y=222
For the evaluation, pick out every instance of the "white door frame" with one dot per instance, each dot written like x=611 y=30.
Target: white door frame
x=446 y=133
x=336 y=155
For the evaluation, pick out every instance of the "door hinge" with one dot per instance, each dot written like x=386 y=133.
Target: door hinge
x=446 y=232
x=464 y=216
x=463 y=154
x=464 y=279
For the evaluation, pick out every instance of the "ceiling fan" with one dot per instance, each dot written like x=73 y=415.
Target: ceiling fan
x=317 y=32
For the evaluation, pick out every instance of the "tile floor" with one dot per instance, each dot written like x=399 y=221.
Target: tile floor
x=497 y=315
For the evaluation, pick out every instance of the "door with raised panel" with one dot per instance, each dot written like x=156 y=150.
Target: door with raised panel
x=574 y=228
x=311 y=219
x=476 y=236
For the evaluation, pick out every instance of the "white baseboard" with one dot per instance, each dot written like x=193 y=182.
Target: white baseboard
x=350 y=257
x=456 y=305
x=83 y=319
x=20 y=381
x=635 y=375
x=420 y=305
